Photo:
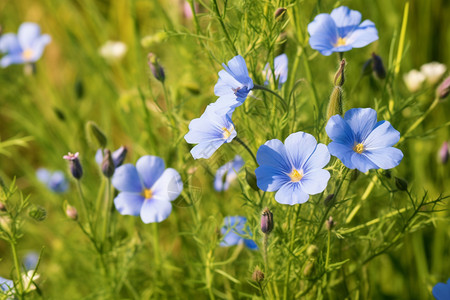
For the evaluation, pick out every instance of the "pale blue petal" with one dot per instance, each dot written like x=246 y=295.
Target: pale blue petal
x=27 y=34
x=273 y=153
x=385 y=158
x=6 y=285
x=206 y=149
x=318 y=159
x=315 y=181
x=238 y=69
x=270 y=179
x=226 y=84
x=219 y=178
x=365 y=34
x=339 y=131
x=129 y=203
x=99 y=157
x=362 y=163
x=58 y=182
x=168 y=187
x=384 y=135
x=43 y=175
x=150 y=168
x=299 y=146
x=281 y=68
x=226 y=104
x=233 y=226
x=345 y=19
x=38 y=46
x=9 y=43
x=126 y=179
x=250 y=244
x=11 y=60
x=441 y=291
x=155 y=211
x=323 y=34
x=291 y=193
x=343 y=152
x=361 y=121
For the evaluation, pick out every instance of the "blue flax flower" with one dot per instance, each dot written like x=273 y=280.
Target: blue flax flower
x=281 y=70
x=117 y=156
x=340 y=31
x=227 y=173
x=441 y=291
x=25 y=47
x=234 y=80
x=361 y=142
x=6 y=286
x=146 y=189
x=210 y=131
x=55 y=181
x=233 y=229
x=294 y=168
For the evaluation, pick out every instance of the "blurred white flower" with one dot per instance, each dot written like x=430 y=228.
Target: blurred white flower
x=413 y=80
x=28 y=279
x=433 y=71
x=113 y=51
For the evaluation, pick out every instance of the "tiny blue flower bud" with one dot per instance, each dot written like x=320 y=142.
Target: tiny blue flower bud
x=378 y=67
x=74 y=165
x=108 y=164
x=119 y=155
x=266 y=221
x=155 y=67
x=444 y=153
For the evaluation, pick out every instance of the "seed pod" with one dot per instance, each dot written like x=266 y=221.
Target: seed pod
x=280 y=14
x=339 y=78
x=37 y=212
x=258 y=275
x=335 y=106
x=401 y=184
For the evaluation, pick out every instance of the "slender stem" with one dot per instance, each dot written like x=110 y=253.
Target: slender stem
x=83 y=204
x=266 y=261
x=246 y=148
x=328 y=249
x=219 y=17
x=17 y=267
x=263 y=88
x=107 y=211
x=262 y=291
x=291 y=247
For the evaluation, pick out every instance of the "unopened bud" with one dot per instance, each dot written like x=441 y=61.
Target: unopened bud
x=59 y=114
x=329 y=224
x=119 y=155
x=401 y=184
x=74 y=165
x=2 y=206
x=339 y=78
x=155 y=67
x=72 y=212
x=107 y=164
x=329 y=200
x=37 y=212
x=280 y=14
x=258 y=275
x=367 y=67
x=378 y=67
x=312 y=251
x=250 y=177
x=309 y=268
x=443 y=89
x=335 y=106
x=79 y=89
x=444 y=153
x=266 y=221
x=93 y=131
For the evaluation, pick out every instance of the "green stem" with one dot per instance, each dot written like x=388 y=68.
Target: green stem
x=262 y=291
x=83 y=204
x=219 y=17
x=263 y=88
x=328 y=249
x=291 y=247
x=246 y=148
x=107 y=211
x=17 y=267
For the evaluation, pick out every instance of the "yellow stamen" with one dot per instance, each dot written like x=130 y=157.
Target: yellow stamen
x=340 y=42
x=147 y=193
x=27 y=54
x=296 y=176
x=226 y=132
x=358 y=148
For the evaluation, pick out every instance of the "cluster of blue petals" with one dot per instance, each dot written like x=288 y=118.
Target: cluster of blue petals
x=234 y=230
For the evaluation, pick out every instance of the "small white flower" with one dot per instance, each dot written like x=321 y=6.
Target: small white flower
x=113 y=51
x=433 y=71
x=28 y=279
x=414 y=80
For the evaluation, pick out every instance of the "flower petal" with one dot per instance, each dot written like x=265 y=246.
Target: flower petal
x=385 y=158
x=155 y=211
x=270 y=179
x=226 y=84
x=168 y=187
x=11 y=59
x=362 y=163
x=273 y=154
x=291 y=193
x=324 y=34
x=345 y=19
x=315 y=182
x=238 y=69
x=9 y=43
x=43 y=175
x=384 y=135
x=441 y=291
x=365 y=34
x=361 y=121
x=339 y=131
x=150 y=168
x=27 y=34
x=206 y=149
x=318 y=159
x=129 y=203
x=299 y=147
x=38 y=46
x=250 y=244
x=126 y=179
x=343 y=152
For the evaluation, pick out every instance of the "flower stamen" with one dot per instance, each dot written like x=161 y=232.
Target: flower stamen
x=358 y=148
x=147 y=193
x=296 y=176
x=27 y=54
x=226 y=132
x=340 y=42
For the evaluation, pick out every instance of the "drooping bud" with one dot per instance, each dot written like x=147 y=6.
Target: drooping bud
x=280 y=14
x=339 y=78
x=119 y=155
x=335 y=106
x=250 y=177
x=258 y=275
x=266 y=221
x=401 y=184
x=79 y=89
x=443 y=89
x=74 y=165
x=155 y=67
x=2 y=206
x=71 y=212
x=329 y=224
x=93 y=131
x=312 y=251
x=59 y=114
x=329 y=200
x=367 y=67
x=378 y=67
x=107 y=164
x=444 y=153
x=37 y=212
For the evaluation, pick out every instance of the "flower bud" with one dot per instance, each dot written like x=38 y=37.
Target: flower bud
x=266 y=221
x=335 y=106
x=155 y=67
x=329 y=200
x=443 y=89
x=339 y=78
x=37 y=212
x=250 y=177
x=378 y=67
x=329 y=224
x=367 y=67
x=401 y=184
x=119 y=155
x=258 y=275
x=312 y=251
x=107 y=164
x=79 y=89
x=280 y=14
x=309 y=268
x=93 y=131
x=72 y=212
x=74 y=165
x=2 y=206
x=444 y=153
x=387 y=174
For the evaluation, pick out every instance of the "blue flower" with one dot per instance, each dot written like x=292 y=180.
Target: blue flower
x=31 y=260
x=340 y=31
x=234 y=229
x=25 y=47
x=281 y=70
x=55 y=181
x=227 y=173
x=234 y=80
x=441 y=291
x=361 y=142
x=146 y=189
x=294 y=168
x=117 y=156
x=6 y=286
x=210 y=131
